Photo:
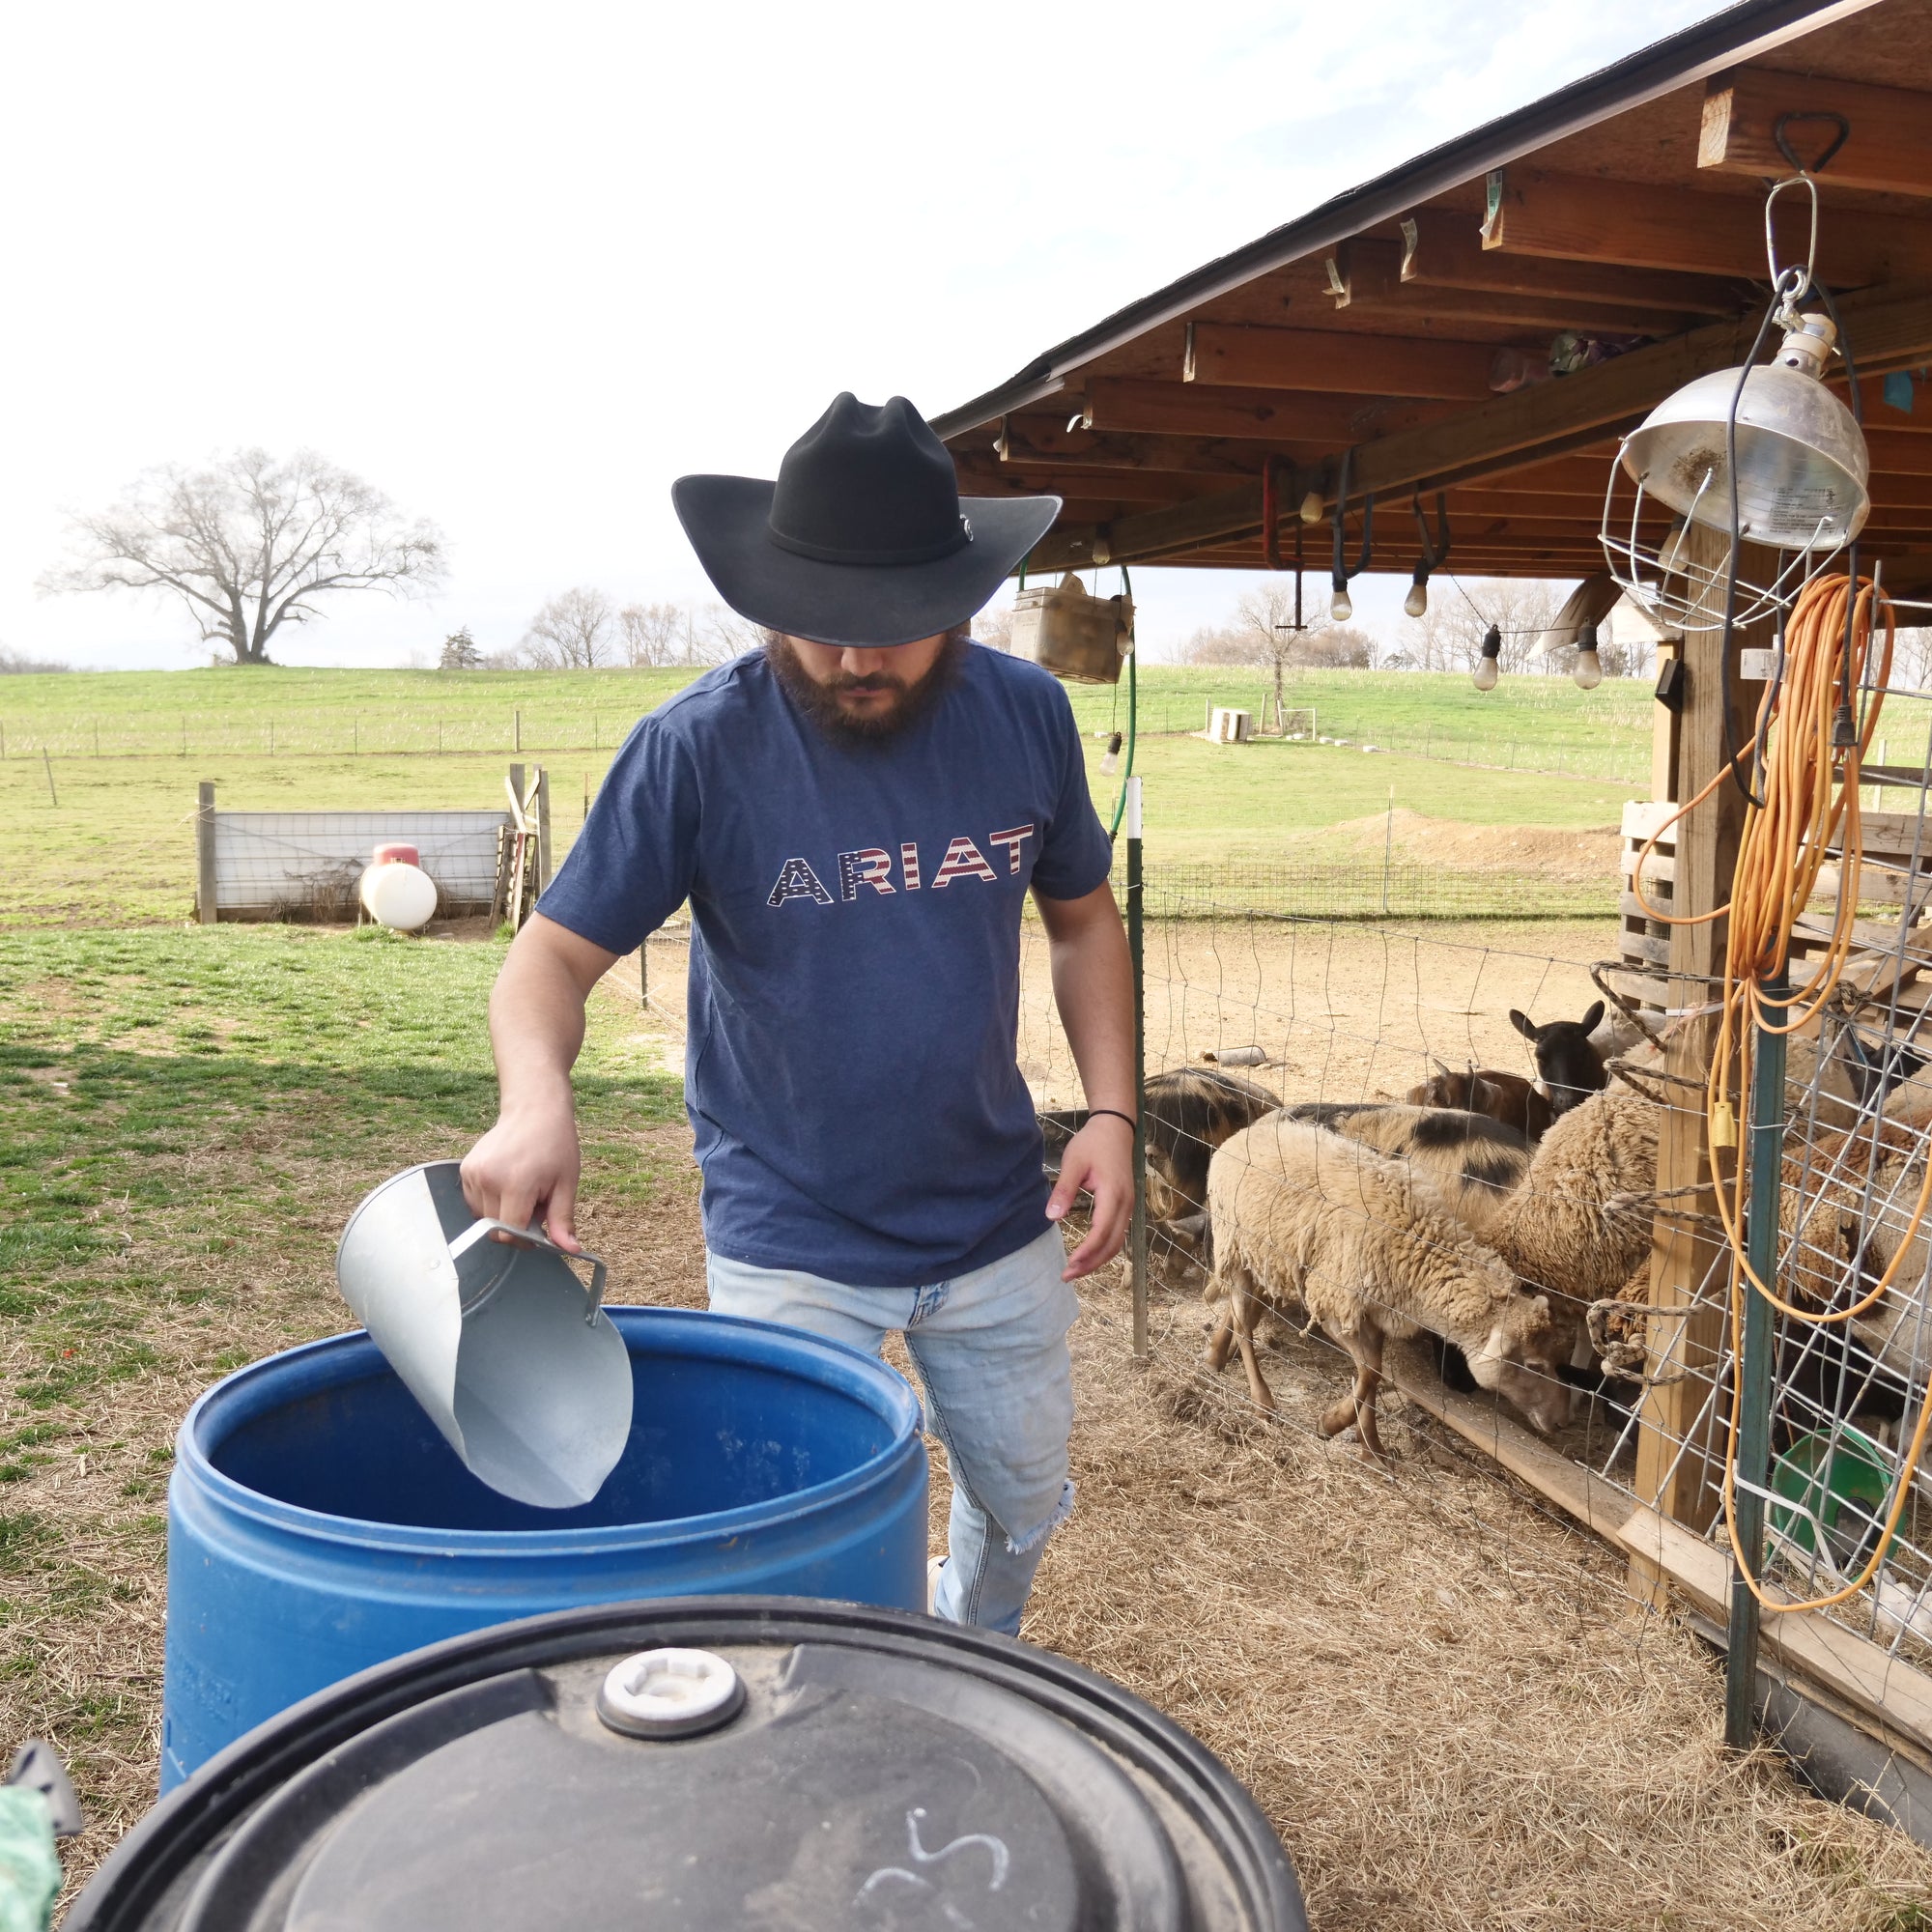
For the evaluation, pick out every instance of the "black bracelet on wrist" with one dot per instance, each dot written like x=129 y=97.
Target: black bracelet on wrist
x=1117 y=1114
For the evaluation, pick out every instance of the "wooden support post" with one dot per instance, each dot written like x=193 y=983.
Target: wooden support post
x=543 y=829
x=1674 y=1471
x=520 y=849
x=204 y=855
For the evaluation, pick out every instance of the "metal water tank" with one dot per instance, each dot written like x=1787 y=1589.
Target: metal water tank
x=689 y=1766
x=319 y=1523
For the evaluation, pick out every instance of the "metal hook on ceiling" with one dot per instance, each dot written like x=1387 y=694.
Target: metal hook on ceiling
x=1436 y=551
x=1342 y=570
x=1780 y=135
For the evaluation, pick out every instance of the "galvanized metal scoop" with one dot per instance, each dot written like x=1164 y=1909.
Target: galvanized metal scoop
x=507 y=1349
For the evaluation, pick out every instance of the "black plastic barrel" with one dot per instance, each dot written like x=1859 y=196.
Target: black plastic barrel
x=807 y=1766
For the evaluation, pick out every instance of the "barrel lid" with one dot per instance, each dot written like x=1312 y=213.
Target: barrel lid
x=844 y=1767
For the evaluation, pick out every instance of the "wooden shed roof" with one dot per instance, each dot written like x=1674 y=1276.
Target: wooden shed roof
x=1626 y=207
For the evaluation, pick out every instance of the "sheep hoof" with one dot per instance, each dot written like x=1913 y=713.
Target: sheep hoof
x=1335 y=1419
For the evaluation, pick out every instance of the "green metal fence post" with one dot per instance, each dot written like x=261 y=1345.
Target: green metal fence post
x=1137 y=1243
x=1765 y=1155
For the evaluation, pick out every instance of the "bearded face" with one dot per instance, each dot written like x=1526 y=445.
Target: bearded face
x=866 y=696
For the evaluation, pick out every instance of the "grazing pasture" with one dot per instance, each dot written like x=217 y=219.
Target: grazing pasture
x=105 y=816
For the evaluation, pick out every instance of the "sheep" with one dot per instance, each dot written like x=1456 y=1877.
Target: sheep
x=1505 y=1097
x=1190 y=1111
x=1302 y=1216
x=1471 y=1161
x=1568 y=1066
x=1565 y=1229
x=1567 y=1061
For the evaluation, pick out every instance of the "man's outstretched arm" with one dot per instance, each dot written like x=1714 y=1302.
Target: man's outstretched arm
x=1094 y=988
x=526 y=1166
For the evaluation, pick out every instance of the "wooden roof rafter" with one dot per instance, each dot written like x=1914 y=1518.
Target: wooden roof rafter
x=1626 y=211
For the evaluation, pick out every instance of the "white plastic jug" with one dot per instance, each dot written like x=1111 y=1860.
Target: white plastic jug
x=510 y=1355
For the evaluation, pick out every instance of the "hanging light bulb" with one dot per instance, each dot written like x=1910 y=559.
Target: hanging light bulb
x=1111 y=763
x=1484 y=676
x=1588 y=670
x=1341 y=606
x=1417 y=603
x=1312 y=507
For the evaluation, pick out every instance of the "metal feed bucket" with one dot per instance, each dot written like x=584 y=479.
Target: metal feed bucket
x=510 y=1355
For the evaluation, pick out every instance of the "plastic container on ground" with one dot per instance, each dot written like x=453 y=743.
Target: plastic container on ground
x=708 y=1763
x=398 y=895
x=318 y=1524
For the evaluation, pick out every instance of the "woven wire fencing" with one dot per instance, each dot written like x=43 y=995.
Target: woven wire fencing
x=1339 y=1020
x=1369 y=888
x=392 y=731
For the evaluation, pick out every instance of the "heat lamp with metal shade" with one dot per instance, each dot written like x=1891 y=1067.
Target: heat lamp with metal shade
x=1802 y=483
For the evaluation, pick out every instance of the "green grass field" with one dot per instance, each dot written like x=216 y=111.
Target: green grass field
x=107 y=839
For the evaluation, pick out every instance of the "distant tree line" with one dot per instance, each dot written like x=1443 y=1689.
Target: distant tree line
x=19 y=663
x=1262 y=631
x=581 y=629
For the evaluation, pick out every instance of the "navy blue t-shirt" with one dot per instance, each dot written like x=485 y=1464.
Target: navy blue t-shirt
x=854 y=998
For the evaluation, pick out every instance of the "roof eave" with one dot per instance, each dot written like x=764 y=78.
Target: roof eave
x=1738 y=34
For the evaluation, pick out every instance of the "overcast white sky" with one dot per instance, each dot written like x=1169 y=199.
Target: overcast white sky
x=521 y=266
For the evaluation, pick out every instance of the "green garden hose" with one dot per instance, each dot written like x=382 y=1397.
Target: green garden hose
x=1133 y=705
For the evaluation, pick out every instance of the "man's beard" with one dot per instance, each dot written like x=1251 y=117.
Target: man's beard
x=820 y=702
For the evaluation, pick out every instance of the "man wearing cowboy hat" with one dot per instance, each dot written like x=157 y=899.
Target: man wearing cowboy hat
x=855 y=815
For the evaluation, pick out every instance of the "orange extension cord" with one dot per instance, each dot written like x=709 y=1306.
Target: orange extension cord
x=1808 y=796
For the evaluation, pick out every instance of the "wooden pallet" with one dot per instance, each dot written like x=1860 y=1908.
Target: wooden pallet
x=1644 y=942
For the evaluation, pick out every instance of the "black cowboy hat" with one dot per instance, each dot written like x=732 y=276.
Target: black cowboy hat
x=863 y=538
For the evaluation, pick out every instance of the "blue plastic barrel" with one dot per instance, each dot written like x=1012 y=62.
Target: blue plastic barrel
x=318 y=1525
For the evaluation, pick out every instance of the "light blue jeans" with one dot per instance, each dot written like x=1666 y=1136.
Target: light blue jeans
x=991 y=1351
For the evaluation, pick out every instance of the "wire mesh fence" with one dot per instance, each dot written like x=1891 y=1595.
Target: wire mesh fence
x=1357 y=1219
x=395 y=731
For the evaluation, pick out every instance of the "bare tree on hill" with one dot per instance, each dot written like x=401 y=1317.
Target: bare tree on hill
x=15 y=663
x=1264 y=632
x=572 y=632
x=653 y=634
x=249 y=542
x=1449 y=636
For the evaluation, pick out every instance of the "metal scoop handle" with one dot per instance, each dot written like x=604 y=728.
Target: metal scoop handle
x=477 y=1231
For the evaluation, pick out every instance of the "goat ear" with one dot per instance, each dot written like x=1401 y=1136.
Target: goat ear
x=1593 y=1018
x=1523 y=1024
